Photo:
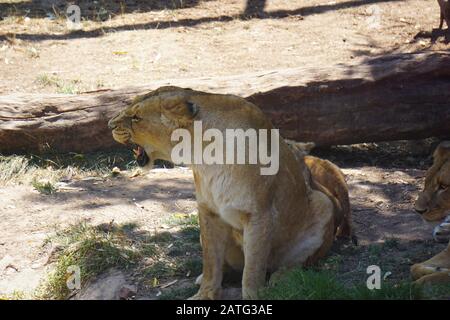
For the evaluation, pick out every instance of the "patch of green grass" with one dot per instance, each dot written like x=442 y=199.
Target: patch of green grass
x=93 y=250
x=193 y=265
x=375 y=251
x=148 y=249
x=43 y=186
x=15 y=295
x=389 y=291
x=185 y=220
x=191 y=233
x=61 y=86
x=45 y=80
x=307 y=284
x=332 y=262
x=391 y=243
x=437 y=291
x=179 y=293
x=304 y=284
x=69 y=87
x=160 y=269
x=167 y=268
x=174 y=256
x=161 y=237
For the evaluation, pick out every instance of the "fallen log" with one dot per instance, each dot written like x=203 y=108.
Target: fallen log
x=405 y=96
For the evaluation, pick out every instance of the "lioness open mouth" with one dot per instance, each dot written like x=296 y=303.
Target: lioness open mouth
x=141 y=156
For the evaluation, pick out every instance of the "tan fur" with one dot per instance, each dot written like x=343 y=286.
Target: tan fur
x=260 y=223
x=329 y=179
x=326 y=174
x=434 y=203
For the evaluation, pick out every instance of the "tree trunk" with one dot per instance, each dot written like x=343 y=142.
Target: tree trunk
x=404 y=96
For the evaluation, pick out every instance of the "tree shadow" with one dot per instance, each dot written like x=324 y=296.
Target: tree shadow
x=434 y=35
x=401 y=154
x=385 y=209
x=90 y=10
x=141 y=193
x=254 y=10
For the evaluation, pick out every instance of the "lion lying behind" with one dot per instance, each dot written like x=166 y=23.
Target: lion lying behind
x=326 y=177
x=433 y=204
x=248 y=221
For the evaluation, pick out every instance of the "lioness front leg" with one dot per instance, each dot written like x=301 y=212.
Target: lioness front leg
x=256 y=252
x=438 y=264
x=214 y=235
x=441 y=232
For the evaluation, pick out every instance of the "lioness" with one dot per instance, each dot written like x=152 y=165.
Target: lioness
x=434 y=204
x=325 y=176
x=248 y=221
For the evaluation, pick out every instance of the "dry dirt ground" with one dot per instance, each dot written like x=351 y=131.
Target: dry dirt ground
x=383 y=186
x=141 y=41
x=125 y=43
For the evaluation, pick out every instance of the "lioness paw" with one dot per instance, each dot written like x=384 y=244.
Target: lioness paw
x=441 y=233
x=207 y=294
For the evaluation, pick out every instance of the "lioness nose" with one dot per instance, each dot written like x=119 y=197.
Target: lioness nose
x=421 y=211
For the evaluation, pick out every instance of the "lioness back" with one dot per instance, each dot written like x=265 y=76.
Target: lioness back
x=327 y=175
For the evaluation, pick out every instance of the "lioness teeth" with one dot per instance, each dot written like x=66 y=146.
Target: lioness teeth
x=140 y=155
x=138 y=151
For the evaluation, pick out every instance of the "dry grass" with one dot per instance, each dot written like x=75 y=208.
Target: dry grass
x=155 y=258
x=20 y=170
x=40 y=171
x=92 y=249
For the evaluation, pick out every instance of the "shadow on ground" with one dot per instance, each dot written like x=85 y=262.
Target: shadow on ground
x=252 y=11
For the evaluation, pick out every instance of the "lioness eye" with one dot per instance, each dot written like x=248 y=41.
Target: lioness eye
x=136 y=118
x=443 y=186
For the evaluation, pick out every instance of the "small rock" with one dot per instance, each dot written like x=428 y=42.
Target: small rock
x=11 y=269
x=115 y=171
x=422 y=43
x=5 y=262
x=105 y=287
x=127 y=292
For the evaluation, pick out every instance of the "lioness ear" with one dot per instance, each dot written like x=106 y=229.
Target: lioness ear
x=179 y=109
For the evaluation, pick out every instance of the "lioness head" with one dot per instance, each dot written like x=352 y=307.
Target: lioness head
x=149 y=121
x=434 y=202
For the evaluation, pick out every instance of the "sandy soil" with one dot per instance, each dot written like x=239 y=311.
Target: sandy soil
x=381 y=200
x=202 y=38
x=28 y=217
x=127 y=46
